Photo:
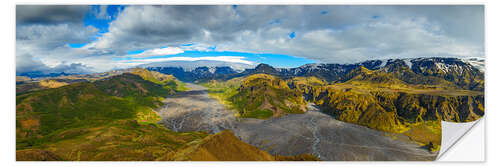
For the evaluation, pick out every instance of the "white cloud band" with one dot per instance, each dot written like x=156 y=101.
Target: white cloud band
x=231 y=59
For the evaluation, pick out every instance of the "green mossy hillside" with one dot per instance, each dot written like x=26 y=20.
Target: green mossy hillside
x=113 y=120
x=86 y=104
x=209 y=149
x=118 y=140
x=258 y=96
x=168 y=81
x=308 y=86
x=223 y=90
x=379 y=100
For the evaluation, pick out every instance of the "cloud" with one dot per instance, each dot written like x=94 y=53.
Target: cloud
x=28 y=63
x=231 y=59
x=160 y=52
x=401 y=39
x=71 y=68
x=343 y=34
x=53 y=36
x=139 y=27
x=102 y=12
x=43 y=34
x=50 y=14
x=325 y=33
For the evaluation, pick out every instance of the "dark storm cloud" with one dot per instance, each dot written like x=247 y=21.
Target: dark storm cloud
x=50 y=14
x=51 y=26
x=43 y=33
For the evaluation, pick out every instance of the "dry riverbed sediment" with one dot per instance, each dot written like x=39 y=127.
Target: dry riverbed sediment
x=313 y=132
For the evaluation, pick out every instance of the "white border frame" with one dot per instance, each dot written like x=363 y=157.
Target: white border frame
x=492 y=52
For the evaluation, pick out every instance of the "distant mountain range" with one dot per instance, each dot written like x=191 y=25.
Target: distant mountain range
x=192 y=65
x=465 y=73
x=202 y=70
x=409 y=97
x=405 y=96
x=113 y=119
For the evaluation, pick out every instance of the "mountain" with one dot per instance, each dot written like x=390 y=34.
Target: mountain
x=367 y=93
x=115 y=140
x=200 y=70
x=129 y=141
x=388 y=109
x=199 y=74
x=168 y=81
x=437 y=72
x=209 y=149
x=477 y=62
x=308 y=86
x=462 y=74
x=362 y=75
x=364 y=88
x=430 y=71
x=38 y=74
x=124 y=96
x=406 y=96
x=378 y=99
x=42 y=115
x=113 y=119
x=192 y=65
x=32 y=85
x=329 y=72
x=450 y=83
x=262 y=69
x=263 y=96
x=258 y=96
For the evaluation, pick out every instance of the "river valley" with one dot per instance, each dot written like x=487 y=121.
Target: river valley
x=313 y=132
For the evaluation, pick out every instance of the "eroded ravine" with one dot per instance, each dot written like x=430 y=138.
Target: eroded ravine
x=313 y=132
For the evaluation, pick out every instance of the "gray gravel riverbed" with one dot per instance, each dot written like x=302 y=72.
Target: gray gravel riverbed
x=313 y=132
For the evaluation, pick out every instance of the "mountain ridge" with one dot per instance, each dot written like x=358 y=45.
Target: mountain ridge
x=113 y=119
x=432 y=71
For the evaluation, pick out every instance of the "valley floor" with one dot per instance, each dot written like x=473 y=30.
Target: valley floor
x=313 y=132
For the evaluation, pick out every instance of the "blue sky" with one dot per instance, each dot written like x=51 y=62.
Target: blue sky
x=102 y=23
x=93 y=19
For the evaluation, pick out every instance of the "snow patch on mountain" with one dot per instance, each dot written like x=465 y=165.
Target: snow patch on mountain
x=211 y=69
x=382 y=64
x=408 y=62
x=477 y=62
